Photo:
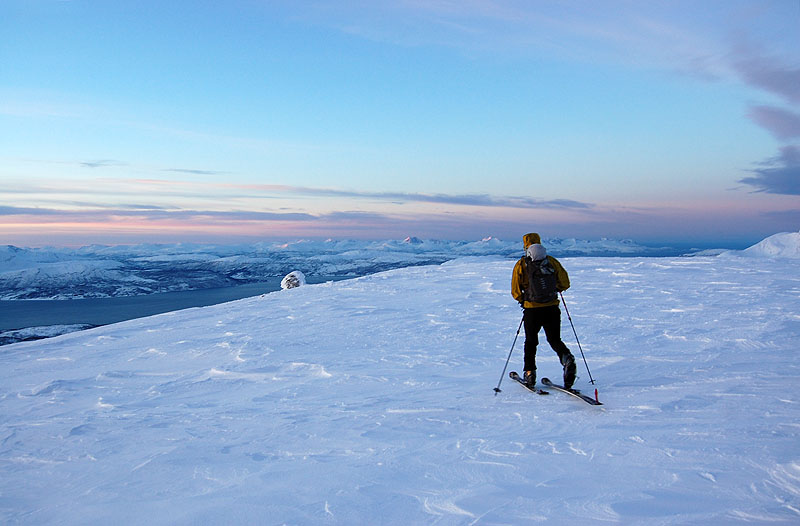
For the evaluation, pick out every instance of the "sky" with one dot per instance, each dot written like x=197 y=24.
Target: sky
x=664 y=122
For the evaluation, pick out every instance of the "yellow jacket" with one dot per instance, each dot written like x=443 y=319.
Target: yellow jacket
x=519 y=278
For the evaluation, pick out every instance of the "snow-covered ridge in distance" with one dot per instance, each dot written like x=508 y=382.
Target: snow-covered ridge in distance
x=100 y=271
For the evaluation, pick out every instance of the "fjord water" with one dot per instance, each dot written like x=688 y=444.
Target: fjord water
x=18 y=314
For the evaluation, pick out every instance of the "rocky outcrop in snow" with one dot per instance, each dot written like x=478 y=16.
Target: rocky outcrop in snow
x=293 y=280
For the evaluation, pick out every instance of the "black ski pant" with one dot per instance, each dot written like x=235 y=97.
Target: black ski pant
x=548 y=318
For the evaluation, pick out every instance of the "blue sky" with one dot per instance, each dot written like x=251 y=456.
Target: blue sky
x=151 y=121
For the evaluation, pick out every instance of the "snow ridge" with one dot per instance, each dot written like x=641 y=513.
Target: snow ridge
x=783 y=245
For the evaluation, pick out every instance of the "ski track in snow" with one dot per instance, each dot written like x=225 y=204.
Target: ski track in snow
x=370 y=401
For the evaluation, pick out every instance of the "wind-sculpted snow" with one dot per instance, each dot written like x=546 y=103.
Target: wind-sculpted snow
x=108 y=271
x=370 y=401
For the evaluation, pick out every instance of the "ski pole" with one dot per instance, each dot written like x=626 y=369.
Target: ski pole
x=576 y=337
x=497 y=389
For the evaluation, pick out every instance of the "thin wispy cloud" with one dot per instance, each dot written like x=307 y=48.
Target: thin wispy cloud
x=194 y=172
x=484 y=200
x=638 y=35
x=480 y=200
x=102 y=163
x=20 y=210
x=219 y=190
x=155 y=214
x=245 y=215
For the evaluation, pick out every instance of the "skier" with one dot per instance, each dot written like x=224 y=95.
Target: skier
x=535 y=283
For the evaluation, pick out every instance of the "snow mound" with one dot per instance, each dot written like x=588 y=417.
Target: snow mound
x=293 y=280
x=783 y=245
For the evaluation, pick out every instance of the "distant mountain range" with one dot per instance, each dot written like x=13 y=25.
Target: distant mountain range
x=126 y=270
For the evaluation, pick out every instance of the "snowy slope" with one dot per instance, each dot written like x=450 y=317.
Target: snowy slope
x=370 y=401
x=783 y=245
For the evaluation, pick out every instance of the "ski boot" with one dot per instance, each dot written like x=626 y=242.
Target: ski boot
x=568 y=361
x=530 y=378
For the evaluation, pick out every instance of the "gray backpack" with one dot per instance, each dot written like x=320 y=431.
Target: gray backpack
x=541 y=281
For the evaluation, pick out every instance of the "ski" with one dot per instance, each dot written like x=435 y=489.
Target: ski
x=515 y=376
x=571 y=392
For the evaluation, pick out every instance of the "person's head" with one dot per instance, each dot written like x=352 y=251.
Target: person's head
x=530 y=239
x=536 y=252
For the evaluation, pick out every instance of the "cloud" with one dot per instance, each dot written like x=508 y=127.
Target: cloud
x=481 y=200
x=769 y=74
x=783 y=124
x=194 y=172
x=484 y=200
x=126 y=206
x=244 y=215
x=773 y=76
x=354 y=215
x=106 y=163
x=156 y=213
x=102 y=163
x=780 y=175
x=135 y=225
x=168 y=194
x=259 y=191
x=17 y=210
x=581 y=31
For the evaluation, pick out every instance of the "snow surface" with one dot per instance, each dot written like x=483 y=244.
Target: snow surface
x=369 y=401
